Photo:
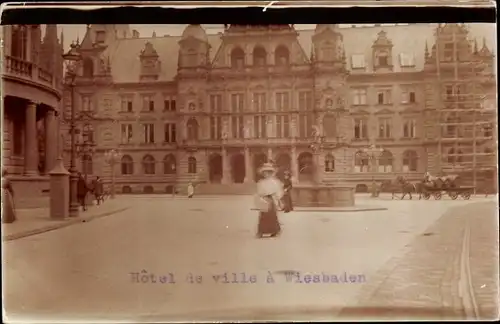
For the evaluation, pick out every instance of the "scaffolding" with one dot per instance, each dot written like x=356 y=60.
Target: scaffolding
x=465 y=115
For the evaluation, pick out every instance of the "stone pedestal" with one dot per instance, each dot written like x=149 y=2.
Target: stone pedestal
x=59 y=191
x=323 y=195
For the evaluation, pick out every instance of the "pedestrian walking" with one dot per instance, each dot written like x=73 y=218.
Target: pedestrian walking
x=98 y=190
x=269 y=194
x=287 y=193
x=9 y=210
x=82 y=190
x=190 y=190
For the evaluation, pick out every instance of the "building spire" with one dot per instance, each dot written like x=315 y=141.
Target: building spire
x=426 y=51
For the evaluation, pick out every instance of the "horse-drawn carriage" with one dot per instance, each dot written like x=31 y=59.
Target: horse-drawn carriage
x=436 y=186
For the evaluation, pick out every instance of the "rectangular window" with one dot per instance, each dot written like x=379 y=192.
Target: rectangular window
x=87 y=104
x=127 y=105
x=410 y=128
x=237 y=103
x=360 y=129
x=282 y=101
x=260 y=126
x=406 y=60
x=359 y=97
x=358 y=61
x=166 y=105
x=259 y=102
x=384 y=97
x=237 y=127
x=408 y=96
x=126 y=133
x=305 y=125
x=449 y=92
x=215 y=127
x=170 y=133
x=305 y=101
x=149 y=133
x=282 y=126
x=148 y=103
x=216 y=103
x=385 y=128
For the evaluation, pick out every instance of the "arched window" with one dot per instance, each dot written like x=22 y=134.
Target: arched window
x=148 y=164
x=127 y=165
x=87 y=165
x=88 y=133
x=361 y=162
x=169 y=164
x=281 y=56
x=329 y=163
x=385 y=162
x=259 y=56
x=192 y=164
x=88 y=67
x=192 y=129
x=410 y=161
x=237 y=58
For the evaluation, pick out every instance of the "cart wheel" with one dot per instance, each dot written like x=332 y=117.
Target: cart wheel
x=426 y=196
x=437 y=196
x=466 y=195
x=453 y=195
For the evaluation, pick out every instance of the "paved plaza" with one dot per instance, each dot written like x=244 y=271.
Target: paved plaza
x=122 y=266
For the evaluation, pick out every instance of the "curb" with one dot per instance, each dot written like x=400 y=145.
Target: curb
x=69 y=222
x=335 y=210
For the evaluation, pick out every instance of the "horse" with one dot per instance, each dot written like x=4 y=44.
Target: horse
x=406 y=187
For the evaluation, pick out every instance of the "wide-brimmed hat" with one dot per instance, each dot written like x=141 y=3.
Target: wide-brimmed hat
x=267 y=167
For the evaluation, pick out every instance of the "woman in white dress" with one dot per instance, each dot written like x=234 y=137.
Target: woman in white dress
x=190 y=190
x=270 y=192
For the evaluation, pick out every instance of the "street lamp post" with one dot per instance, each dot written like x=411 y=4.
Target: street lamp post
x=85 y=150
x=112 y=157
x=72 y=57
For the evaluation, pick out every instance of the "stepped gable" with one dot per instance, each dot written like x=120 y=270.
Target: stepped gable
x=125 y=53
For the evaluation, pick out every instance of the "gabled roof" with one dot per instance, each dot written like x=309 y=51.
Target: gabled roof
x=410 y=39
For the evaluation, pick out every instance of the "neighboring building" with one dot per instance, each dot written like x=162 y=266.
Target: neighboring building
x=32 y=89
x=212 y=108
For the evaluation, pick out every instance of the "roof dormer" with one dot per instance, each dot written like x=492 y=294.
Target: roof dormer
x=150 y=64
x=382 y=52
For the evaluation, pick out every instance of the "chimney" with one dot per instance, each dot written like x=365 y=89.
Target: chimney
x=135 y=34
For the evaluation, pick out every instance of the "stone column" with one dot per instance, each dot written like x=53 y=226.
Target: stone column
x=51 y=140
x=269 y=153
x=30 y=149
x=248 y=166
x=295 y=165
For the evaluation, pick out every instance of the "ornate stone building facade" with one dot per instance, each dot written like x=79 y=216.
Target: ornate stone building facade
x=32 y=90
x=212 y=108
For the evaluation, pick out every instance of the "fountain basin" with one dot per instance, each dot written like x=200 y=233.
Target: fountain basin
x=323 y=195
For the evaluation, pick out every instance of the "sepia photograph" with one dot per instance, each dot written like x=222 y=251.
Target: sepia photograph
x=249 y=172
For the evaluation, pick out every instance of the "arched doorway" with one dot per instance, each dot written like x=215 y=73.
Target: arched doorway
x=258 y=160
x=283 y=163
x=126 y=189
x=215 y=168
x=306 y=166
x=148 y=190
x=238 y=168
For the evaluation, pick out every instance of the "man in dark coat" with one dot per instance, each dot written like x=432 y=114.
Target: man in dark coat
x=287 y=196
x=98 y=188
x=82 y=190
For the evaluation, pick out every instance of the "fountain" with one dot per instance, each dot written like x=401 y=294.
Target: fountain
x=317 y=193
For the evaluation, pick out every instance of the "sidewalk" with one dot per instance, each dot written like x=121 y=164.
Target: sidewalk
x=32 y=221
x=424 y=282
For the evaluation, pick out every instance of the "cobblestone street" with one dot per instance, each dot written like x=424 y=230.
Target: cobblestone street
x=86 y=269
